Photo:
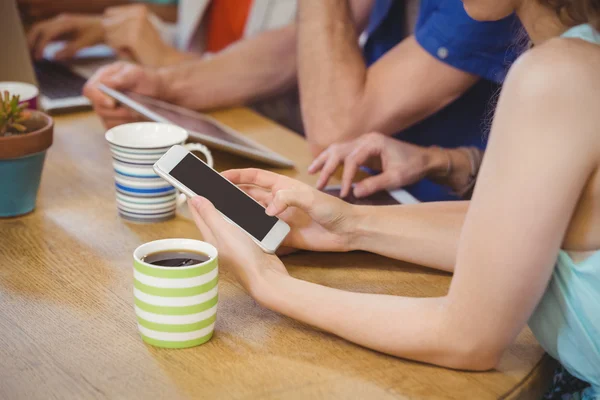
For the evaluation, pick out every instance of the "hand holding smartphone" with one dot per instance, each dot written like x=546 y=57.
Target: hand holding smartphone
x=193 y=177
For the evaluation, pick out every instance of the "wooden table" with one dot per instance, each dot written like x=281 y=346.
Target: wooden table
x=68 y=330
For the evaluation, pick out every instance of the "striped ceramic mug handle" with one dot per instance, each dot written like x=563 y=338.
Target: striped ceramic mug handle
x=209 y=161
x=202 y=149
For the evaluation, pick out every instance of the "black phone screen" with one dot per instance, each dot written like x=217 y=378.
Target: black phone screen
x=227 y=198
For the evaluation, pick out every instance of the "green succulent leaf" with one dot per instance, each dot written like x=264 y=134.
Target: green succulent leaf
x=12 y=114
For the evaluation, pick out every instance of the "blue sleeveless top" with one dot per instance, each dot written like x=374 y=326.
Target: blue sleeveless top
x=566 y=322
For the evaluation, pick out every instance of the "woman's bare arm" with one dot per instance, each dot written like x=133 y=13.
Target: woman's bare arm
x=541 y=154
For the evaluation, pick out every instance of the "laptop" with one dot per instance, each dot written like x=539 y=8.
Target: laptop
x=60 y=87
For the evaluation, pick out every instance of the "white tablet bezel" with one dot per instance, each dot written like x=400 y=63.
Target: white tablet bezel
x=263 y=154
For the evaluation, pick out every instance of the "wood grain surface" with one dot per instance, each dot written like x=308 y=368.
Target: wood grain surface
x=68 y=329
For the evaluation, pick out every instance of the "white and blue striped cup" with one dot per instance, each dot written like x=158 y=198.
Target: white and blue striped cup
x=143 y=196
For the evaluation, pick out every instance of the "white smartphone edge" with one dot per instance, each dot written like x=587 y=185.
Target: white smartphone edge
x=171 y=158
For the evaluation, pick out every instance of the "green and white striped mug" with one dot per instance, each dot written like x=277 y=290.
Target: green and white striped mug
x=176 y=307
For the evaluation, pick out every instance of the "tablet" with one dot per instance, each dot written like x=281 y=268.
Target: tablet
x=382 y=198
x=200 y=127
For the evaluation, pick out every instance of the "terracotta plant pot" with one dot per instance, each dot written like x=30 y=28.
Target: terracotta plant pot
x=21 y=163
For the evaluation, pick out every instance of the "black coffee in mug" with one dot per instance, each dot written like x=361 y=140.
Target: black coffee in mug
x=176 y=258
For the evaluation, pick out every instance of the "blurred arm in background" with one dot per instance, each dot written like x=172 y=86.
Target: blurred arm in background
x=38 y=10
x=250 y=70
x=131 y=30
x=342 y=99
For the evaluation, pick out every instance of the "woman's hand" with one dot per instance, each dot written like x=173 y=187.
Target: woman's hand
x=78 y=31
x=237 y=251
x=400 y=163
x=131 y=30
x=318 y=221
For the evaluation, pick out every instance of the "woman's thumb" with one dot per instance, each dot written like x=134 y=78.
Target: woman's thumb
x=207 y=212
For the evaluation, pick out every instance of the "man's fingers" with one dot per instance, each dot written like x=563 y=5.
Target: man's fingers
x=353 y=162
x=55 y=29
x=374 y=184
x=34 y=33
x=72 y=47
x=105 y=76
x=124 y=78
x=328 y=169
x=318 y=162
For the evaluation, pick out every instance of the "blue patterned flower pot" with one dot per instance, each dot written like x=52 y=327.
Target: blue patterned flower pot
x=21 y=163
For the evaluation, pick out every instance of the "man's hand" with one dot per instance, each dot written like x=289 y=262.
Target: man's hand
x=38 y=10
x=342 y=99
x=78 y=31
x=400 y=164
x=130 y=30
x=120 y=76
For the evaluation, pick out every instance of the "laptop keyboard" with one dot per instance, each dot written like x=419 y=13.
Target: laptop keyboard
x=58 y=81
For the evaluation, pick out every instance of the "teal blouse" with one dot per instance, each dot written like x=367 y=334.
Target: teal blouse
x=566 y=322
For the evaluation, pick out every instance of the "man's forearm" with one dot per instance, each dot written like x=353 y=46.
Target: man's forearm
x=331 y=70
x=247 y=71
x=166 y=12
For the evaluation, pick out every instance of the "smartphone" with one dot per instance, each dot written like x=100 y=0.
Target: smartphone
x=193 y=177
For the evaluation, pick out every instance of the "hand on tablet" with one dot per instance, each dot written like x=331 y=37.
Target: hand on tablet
x=317 y=220
x=120 y=76
x=131 y=32
x=400 y=163
x=78 y=31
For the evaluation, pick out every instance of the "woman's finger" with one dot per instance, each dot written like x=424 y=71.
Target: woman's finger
x=221 y=229
x=252 y=176
x=205 y=231
x=261 y=195
x=286 y=198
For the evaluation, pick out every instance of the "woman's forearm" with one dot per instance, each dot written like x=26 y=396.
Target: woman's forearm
x=426 y=234
x=414 y=328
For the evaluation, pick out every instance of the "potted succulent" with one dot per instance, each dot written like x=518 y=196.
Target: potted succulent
x=25 y=135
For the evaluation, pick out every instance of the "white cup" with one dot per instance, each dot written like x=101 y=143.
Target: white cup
x=143 y=196
x=26 y=91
